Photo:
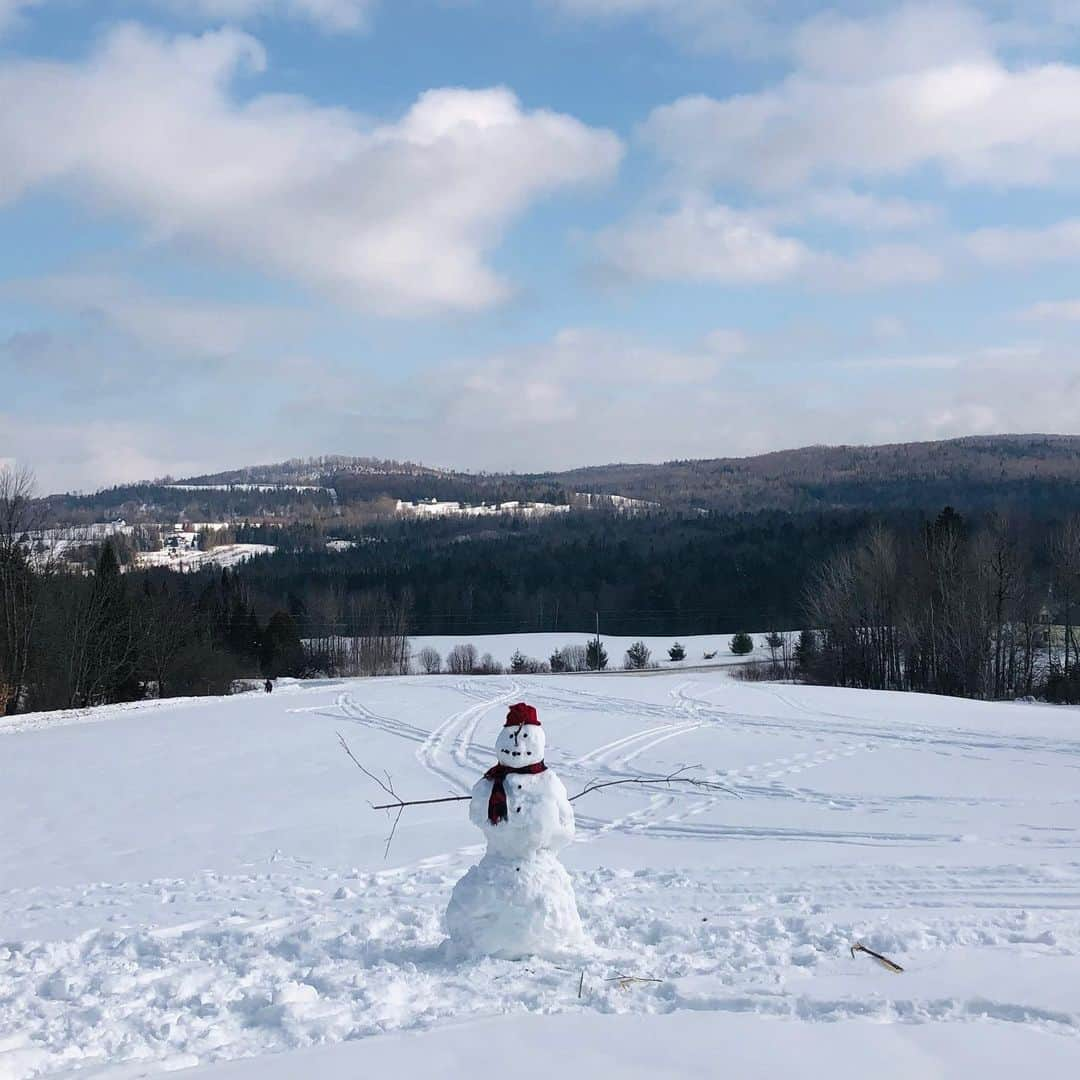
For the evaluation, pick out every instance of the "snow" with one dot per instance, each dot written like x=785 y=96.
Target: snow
x=432 y=508
x=249 y=487
x=189 y=560
x=435 y=508
x=688 y=1045
x=184 y=556
x=540 y=646
x=514 y=908
x=192 y=883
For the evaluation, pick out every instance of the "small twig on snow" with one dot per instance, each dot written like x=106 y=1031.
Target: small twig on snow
x=884 y=961
x=626 y=981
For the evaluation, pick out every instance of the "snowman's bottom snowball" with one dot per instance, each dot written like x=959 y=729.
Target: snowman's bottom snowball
x=513 y=907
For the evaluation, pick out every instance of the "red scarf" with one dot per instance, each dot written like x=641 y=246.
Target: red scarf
x=497 y=801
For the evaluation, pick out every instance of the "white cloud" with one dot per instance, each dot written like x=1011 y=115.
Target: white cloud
x=906 y=39
x=888 y=328
x=852 y=209
x=910 y=362
x=179 y=325
x=396 y=217
x=704 y=25
x=884 y=96
x=1019 y=247
x=835 y=40
x=94 y=453
x=702 y=241
x=561 y=379
x=727 y=343
x=888 y=264
x=335 y=16
x=1052 y=311
x=705 y=241
x=585 y=395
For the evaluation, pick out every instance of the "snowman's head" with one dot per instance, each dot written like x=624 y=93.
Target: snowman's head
x=521 y=742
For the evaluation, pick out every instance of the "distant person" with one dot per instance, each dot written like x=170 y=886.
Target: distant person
x=268 y=686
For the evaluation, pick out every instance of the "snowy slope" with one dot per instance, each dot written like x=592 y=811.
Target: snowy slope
x=202 y=882
x=186 y=561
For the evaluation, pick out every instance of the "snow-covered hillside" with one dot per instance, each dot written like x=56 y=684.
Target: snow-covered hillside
x=198 y=882
x=188 y=560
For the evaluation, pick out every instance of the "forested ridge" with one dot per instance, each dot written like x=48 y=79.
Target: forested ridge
x=1037 y=474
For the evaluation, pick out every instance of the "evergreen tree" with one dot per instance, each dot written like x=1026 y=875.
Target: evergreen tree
x=742 y=644
x=595 y=655
x=676 y=652
x=243 y=639
x=806 y=653
x=109 y=642
x=282 y=650
x=637 y=656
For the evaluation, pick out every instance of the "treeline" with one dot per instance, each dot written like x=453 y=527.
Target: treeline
x=982 y=609
x=96 y=638
x=654 y=574
x=76 y=635
x=975 y=605
x=72 y=639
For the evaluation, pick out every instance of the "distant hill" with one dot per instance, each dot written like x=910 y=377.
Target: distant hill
x=1037 y=474
x=1030 y=472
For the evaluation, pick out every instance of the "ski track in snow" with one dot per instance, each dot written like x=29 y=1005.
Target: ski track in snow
x=668 y=815
x=182 y=971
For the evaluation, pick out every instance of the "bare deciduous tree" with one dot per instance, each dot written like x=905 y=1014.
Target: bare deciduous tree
x=430 y=660
x=462 y=660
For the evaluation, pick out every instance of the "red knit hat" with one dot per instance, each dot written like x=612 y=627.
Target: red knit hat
x=521 y=714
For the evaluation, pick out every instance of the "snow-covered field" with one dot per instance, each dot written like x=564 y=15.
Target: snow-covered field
x=189 y=561
x=540 y=646
x=201 y=882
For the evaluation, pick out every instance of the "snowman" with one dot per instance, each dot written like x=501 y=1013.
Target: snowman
x=518 y=901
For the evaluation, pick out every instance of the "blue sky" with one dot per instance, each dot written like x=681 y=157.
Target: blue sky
x=526 y=234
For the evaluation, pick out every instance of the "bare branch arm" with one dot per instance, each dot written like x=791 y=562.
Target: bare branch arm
x=674 y=778
x=422 y=802
x=387 y=786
